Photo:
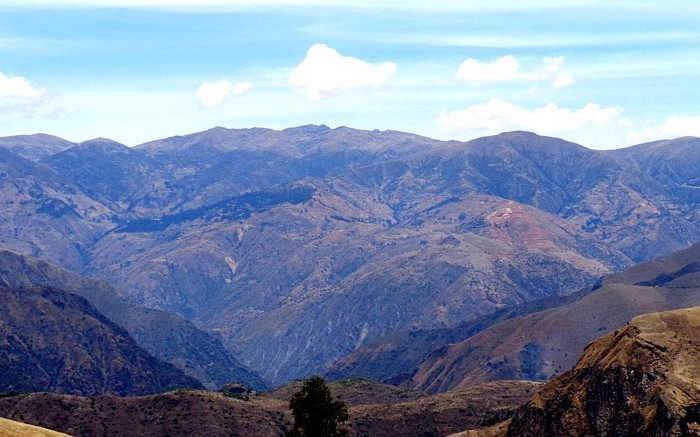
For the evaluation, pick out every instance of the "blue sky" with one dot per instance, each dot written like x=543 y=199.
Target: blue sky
x=603 y=75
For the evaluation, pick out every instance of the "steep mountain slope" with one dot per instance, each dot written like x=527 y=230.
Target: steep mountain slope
x=46 y=214
x=640 y=380
x=544 y=344
x=395 y=358
x=115 y=176
x=56 y=341
x=164 y=335
x=605 y=196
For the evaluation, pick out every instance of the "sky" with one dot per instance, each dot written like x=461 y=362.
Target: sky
x=600 y=73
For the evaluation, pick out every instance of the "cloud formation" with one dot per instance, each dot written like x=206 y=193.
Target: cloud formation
x=18 y=87
x=19 y=98
x=507 y=68
x=213 y=94
x=325 y=72
x=673 y=127
x=498 y=115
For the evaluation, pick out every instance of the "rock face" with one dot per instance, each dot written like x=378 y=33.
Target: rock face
x=56 y=341
x=640 y=380
x=544 y=344
x=298 y=246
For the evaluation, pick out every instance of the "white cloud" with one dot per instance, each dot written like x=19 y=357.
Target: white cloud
x=241 y=88
x=19 y=98
x=507 y=68
x=18 y=87
x=673 y=127
x=498 y=115
x=325 y=72
x=213 y=94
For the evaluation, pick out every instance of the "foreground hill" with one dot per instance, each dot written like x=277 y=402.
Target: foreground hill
x=56 y=341
x=262 y=237
x=166 y=336
x=639 y=380
x=11 y=428
x=544 y=344
x=205 y=414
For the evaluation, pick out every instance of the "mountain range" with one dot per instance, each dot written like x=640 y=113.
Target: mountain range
x=297 y=247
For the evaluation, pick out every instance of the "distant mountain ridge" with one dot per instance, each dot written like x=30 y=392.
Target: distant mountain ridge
x=399 y=232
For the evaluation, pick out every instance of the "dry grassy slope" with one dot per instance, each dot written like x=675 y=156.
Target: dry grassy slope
x=544 y=344
x=11 y=428
x=640 y=380
x=166 y=336
x=51 y=340
x=195 y=413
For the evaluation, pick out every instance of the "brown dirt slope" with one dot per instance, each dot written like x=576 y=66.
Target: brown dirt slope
x=640 y=380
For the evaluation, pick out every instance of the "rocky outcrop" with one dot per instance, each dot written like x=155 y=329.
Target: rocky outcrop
x=640 y=380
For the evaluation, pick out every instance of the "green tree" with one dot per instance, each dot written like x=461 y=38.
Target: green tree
x=316 y=414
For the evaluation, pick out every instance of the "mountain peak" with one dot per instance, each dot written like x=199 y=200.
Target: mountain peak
x=308 y=129
x=35 y=147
